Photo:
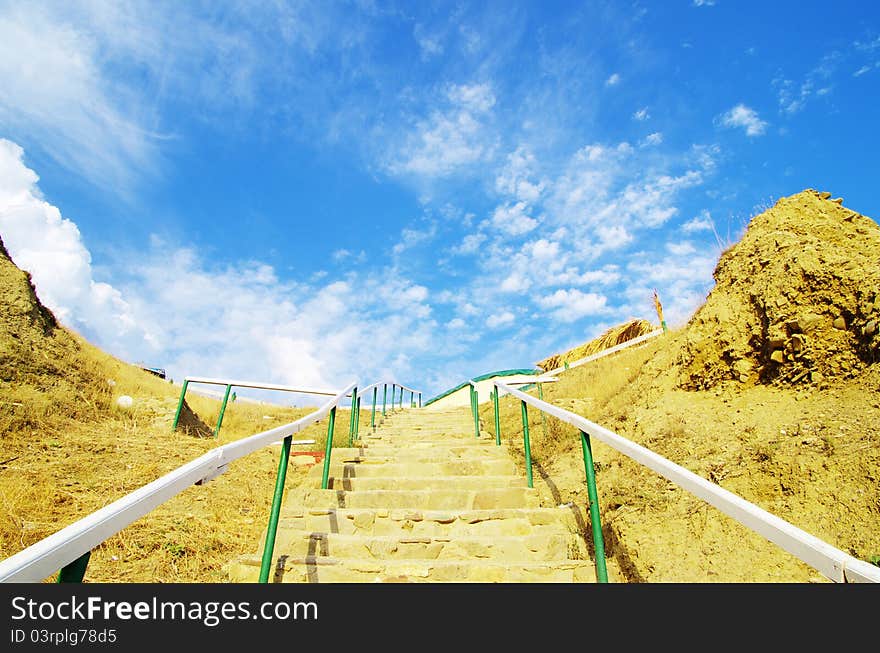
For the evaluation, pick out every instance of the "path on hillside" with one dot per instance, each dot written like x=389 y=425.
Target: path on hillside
x=421 y=499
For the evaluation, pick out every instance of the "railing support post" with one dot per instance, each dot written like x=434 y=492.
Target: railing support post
x=73 y=572
x=393 y=395
x=475 y=406
x=179 y=405
x=420 y=400
x=598 y=539
x=222 y=411
x=384 y=399
x=497 y=417
x=373 y=414
x=357 y=419
x=272 y=529
x=526 y=443
x=331 y=426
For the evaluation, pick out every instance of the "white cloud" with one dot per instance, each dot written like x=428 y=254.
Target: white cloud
x=456 y=323
x=470 y=244
x=513 y=219
x=183 y=312
x=702 y=222
x=654 y=139
x=572 y=304
x=704 y=3
x=746 y=118
x=447 y=141
x=614 y=80
x=641 y=114
x=515 y=282
x=40 y=240
x=861 y=71
x=498 y=320
x=514 y=178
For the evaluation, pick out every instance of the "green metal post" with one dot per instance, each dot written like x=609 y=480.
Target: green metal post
x=269 y=548
x=351 y=416
x=373 y=414
x=393 y=395
x=222 y=411
x=497 y=417
x=526 y=443
x=384 y=399
x=179 y=405
x=598 y=539
x=357 y=419
x=325 y=477
x=475 y=405
x=420 y=400
x=73 y=572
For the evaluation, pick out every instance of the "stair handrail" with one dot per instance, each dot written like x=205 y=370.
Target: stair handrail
x=831 y=562
x=69 y=548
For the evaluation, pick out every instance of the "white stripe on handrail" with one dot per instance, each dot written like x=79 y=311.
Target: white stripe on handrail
x=833 y=563
x=610 y=350
x=41 y=560
x=262 y=386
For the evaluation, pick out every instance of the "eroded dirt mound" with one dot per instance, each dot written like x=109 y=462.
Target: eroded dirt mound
x=797 y=300
x=613 y=336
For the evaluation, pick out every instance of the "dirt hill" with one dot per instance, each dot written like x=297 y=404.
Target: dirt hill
x=797 y=300
x=771 y=390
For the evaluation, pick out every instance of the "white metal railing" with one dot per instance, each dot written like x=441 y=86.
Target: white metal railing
x=44 y=558
x=605 y=352
x=831 y=562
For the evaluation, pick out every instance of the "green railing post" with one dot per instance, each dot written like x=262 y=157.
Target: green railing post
x=351 y=416
x=222 y=411
x=497 y=417
x=420 y=400
x=357 y=419
x=325 y=477
x=373 y=414
x=73 y=572
x=475 y=407
x=393 y=395
x=598 y=539
x=272 y=529
x=526 y=443
x=179 y=405
x=384 y=399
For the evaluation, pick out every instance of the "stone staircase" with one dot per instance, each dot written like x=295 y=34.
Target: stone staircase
x=421 y=499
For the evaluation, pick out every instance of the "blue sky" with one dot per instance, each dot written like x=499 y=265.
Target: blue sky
x=317 y=192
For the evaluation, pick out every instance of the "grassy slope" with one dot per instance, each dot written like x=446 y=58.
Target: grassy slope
x=67 y=449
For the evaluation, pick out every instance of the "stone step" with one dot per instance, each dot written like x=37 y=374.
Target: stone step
x=367 y=468
x=422 y=482
x=316 y=569
x=515 y=549
x=417 y=454
x=445 y=499
x=435 y=523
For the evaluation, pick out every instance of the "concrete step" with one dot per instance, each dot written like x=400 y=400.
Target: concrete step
x=417 y=454
x=367 y=468
x=435 y=523
x=444 y=499
x=423 y=483
x=544 y=547
x=316 y=569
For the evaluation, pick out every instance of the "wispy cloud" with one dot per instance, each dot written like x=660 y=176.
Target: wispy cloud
x=744 y=117
x=613 y=80
x=449 y=140
x=641 y=114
